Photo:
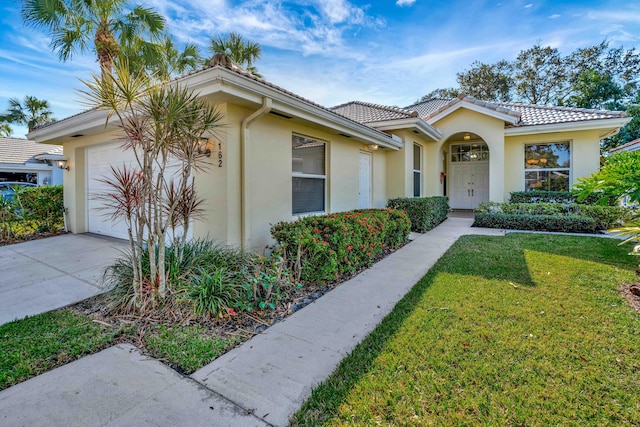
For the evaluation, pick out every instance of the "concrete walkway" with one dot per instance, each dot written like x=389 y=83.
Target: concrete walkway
x=262 y=382
x=45 y=274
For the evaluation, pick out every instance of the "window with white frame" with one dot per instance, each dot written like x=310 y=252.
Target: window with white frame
x=547 y=166
x=417 y=170
x=309 y=174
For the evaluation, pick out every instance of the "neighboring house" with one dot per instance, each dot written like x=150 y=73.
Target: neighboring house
x=629 y=146
x=22 y=160
x=281 y=156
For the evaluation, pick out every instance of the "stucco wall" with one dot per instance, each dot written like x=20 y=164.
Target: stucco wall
x=399 y=169
x=585 y=155
x=491 y=131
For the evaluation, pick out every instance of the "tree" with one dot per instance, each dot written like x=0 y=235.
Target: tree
x=5 y=130
x=628 y=132
x=540 y=75
x=163 y=126
x=243 y=52
x=492 y=82
x=31 y=113
x=162 y=59
x=448 y=92
x=101 y=25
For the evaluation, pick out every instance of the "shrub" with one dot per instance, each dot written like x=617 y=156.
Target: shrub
x=605 y=217
x=564 y=197
x=564 y=223
x=31 y=210
x=321 y=249
x=267 y=282
x=424 y=213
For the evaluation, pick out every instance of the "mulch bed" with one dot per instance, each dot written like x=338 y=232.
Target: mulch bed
x=28 y=237
x=244 y=325
x=632 y=299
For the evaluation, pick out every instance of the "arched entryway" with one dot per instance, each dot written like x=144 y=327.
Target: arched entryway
x=467 y=165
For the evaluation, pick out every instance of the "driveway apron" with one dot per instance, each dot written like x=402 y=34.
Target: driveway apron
x=46 y=274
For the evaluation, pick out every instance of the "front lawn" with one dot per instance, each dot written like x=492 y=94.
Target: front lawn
x=518 y=330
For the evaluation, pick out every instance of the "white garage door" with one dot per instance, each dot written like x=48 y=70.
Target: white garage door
x=99 y=161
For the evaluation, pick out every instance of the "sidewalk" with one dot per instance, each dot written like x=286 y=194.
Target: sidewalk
x=262 y=382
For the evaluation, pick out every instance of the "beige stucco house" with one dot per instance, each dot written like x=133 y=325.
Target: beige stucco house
x=282 y=156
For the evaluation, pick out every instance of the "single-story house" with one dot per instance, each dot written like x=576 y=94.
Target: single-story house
x=629 y=146
x=22 y=160
x=282 y=156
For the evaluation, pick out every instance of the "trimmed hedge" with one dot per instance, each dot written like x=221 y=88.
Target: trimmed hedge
x=566 y=197
x=424 y=213
x=565 y=223
x=605 y=217
x=321 y=249
x=42 y=204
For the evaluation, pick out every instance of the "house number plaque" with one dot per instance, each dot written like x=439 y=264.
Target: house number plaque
x=220 y=157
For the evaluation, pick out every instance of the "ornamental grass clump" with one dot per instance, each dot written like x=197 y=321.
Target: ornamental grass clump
x=321 y=249
x=207 y=280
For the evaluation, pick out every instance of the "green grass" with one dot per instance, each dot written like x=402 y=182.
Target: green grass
x=187 y=348
x=33 y=345
x=517 y=330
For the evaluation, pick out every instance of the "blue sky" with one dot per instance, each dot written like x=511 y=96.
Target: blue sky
x=333 y=51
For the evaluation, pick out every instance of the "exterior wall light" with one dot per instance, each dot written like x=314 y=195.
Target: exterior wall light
x=467 y=137
x=203 y=147
x=62 y=164
x=374 y=147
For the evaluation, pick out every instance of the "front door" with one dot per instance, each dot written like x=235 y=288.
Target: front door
x=364 y=189
x=469 y=175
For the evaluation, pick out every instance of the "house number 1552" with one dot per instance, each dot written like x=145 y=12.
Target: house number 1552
x=219 y=154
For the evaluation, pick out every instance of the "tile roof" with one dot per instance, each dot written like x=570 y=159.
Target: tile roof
x=20 y=151
x=365 y=112
x=528 y=114
x=629 y=146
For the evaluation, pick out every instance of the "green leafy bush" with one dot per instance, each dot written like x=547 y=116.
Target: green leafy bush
x=564 y=197
x=564 y=223
x=42 y=204
x=30 y=211
x=321 y=249
x=604 y=217
x=424 y=213
x=213 y=291
x=267 y=282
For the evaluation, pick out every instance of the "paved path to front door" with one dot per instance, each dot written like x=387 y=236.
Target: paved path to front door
x=45 y=274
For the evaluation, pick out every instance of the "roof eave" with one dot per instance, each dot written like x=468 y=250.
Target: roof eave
x=220 y=80
x=84 y=123
x=235 y=84
x=609 y=127
x=412 y=123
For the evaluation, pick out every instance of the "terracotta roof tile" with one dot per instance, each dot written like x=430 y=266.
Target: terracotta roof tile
x=365 y=112
x=528 y=114
x=629 y=146
x=20 y=151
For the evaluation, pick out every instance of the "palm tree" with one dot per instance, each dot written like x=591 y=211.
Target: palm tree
x=100 y=25
x=5 y=130
x=162 y=59
x=32 y=112
x=243 y=52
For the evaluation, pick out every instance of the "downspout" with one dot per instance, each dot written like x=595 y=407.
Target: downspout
x=245 y=205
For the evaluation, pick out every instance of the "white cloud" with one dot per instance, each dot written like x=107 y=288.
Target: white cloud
x=528 y=6
x=554 y=16
x=402 y=3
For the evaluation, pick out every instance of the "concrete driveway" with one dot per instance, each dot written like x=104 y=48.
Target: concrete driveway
x=42 y=275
